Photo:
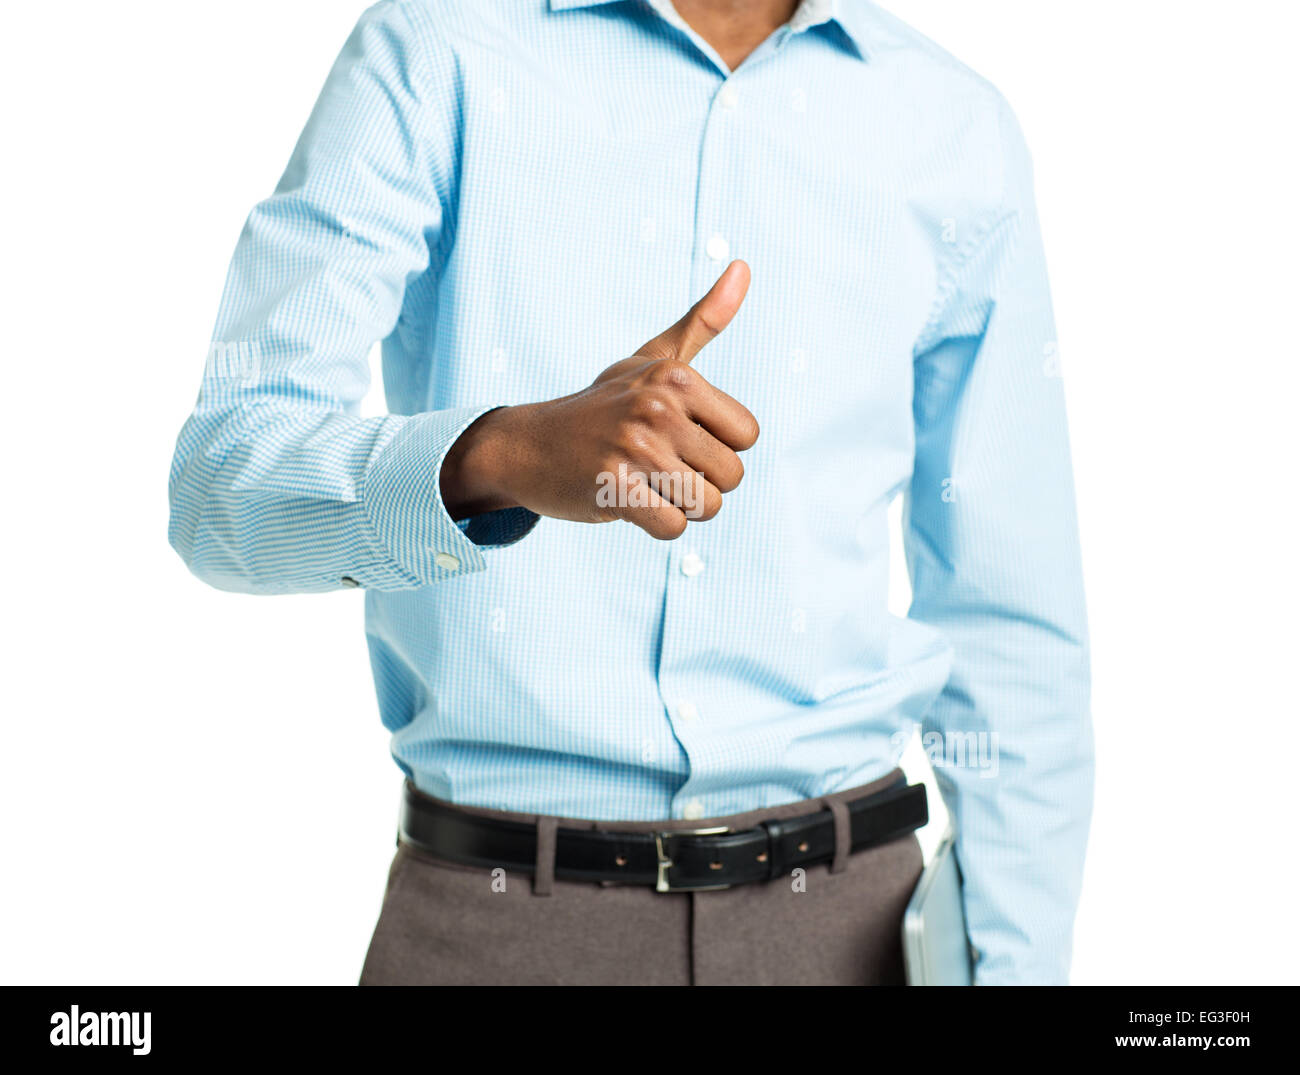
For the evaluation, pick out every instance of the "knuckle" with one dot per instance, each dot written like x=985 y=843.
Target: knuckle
x=652 y=409
x=669 y=525
x=730 y=475
x=748 y=430
x=634 y=440
x=669 y=373
x=711 y=504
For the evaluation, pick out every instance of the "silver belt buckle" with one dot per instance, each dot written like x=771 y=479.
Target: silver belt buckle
x=665 y=863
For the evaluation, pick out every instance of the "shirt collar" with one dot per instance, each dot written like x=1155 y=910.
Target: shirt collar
x=849 y=15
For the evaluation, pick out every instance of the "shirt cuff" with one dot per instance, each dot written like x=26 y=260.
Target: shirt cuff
x=403 y=503
x=496 y=529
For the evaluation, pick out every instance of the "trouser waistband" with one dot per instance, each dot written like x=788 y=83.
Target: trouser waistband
x=671 y=856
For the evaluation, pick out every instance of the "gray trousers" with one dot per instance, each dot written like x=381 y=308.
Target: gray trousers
x=835 y=924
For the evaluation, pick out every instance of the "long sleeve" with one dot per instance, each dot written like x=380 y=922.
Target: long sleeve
x=277 y=484
x=993 y=552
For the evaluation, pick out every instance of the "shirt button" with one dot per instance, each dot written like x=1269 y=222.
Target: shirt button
x=693 y=811
x=727 y=97
x=717 y=248
x=692 y=564
x=447 y=562
x=688 y=711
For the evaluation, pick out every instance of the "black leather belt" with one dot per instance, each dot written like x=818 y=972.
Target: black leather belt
x=673 y=860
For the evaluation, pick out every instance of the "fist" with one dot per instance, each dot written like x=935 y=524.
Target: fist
x=650 y=441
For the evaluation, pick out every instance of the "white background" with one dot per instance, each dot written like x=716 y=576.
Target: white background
x=161 y=740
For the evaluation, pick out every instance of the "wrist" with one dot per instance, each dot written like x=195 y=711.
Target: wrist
x=473 y=475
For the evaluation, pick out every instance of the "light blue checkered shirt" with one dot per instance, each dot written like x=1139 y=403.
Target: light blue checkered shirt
x=513 y=195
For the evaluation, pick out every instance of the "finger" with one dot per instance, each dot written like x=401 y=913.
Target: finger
x=705 y=319
x=727 y=419
x=645 y=508
x=705 y=454
x=684 y=487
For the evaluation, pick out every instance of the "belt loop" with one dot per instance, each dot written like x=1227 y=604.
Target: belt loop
x=544 y=867
x=843 y=832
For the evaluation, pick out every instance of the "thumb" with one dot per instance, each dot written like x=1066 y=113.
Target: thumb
x=705 y=319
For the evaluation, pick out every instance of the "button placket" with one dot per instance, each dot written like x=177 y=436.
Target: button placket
x=714 y=247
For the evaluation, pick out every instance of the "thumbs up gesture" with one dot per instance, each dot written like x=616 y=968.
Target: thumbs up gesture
x=650 y=441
